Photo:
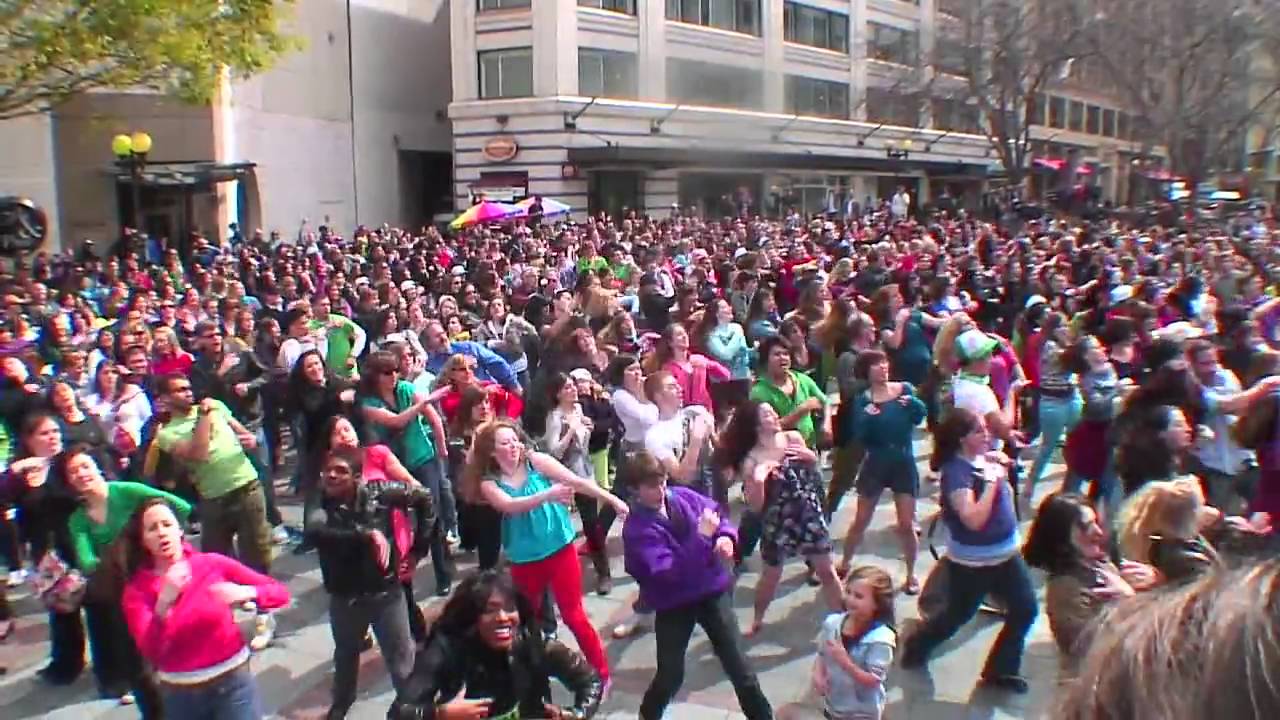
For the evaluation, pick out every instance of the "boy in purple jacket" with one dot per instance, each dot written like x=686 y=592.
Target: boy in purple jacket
x=680 y=551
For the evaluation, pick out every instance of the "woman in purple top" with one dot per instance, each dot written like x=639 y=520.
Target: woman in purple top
x=679 y=550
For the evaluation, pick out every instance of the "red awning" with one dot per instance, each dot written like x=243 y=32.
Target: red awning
x=1060 y=164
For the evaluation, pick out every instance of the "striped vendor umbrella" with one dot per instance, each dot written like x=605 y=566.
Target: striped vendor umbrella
x=486 y=211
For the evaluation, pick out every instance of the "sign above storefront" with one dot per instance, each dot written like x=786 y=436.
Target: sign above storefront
x=500 y=149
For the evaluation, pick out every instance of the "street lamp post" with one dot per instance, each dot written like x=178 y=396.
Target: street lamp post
x=131 y=154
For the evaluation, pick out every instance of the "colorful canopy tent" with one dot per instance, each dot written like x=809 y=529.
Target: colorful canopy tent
x=486 y=211
x=550 y=208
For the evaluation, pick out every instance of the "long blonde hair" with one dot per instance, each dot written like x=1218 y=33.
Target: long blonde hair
x=1169 y=508
x=480 y=460
x=446 y=370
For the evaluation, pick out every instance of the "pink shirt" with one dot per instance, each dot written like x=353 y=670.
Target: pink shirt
x=693 y=382
x=199 y=631
x=375 y=471
x=375 y=463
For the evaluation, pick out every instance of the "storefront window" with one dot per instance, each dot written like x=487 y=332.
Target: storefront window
x=614 y=192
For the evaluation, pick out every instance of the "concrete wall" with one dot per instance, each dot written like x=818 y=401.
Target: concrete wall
x=82 y=133
x=27 y=167
x=402 y=90
x=294 y=121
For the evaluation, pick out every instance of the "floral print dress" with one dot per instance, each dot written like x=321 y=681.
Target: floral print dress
x=793 y=519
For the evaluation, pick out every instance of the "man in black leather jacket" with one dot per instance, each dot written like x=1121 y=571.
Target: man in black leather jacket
x=353 y=534
x=484 y=659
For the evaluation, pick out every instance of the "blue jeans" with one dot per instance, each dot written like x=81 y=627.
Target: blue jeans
x=433 y=479
x=1057 y=416
x=1008 y=582
x=1106 y=488
x=234 y=696
x=260 y=456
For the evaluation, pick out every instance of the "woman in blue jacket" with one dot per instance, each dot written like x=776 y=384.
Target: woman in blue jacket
x=680 y=551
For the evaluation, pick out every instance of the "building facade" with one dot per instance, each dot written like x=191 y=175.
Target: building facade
x=715 y=104
x=348 y=129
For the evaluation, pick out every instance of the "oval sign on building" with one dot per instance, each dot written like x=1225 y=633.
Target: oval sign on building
x=500 y=149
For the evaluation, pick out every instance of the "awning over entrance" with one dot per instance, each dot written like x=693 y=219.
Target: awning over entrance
x=1059 y=164
x=189 y=173
x=664 y=158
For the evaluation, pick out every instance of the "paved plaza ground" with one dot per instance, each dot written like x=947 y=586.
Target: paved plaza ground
x=294 y=673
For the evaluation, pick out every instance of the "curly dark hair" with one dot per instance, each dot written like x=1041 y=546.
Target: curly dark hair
x=471 y=597
x=739 y=436
x=1049 y=545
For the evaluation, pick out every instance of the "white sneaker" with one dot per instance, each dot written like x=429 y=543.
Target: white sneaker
x=16 y=577
x=265 y=631
x=279 y=535
x=639 y=623
x=128 y=699
x=452 y=540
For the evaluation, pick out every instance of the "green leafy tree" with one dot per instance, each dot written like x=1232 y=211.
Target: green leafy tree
x=51 y=50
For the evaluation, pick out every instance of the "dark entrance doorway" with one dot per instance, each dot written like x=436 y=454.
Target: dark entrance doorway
x=721 y=194
x=615 y=191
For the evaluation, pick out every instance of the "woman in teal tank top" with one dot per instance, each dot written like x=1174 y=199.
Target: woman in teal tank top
x=533 y=490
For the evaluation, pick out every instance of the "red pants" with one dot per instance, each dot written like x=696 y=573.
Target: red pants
x=563 y=575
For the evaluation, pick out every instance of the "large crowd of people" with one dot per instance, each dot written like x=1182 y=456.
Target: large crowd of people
x=508 y=393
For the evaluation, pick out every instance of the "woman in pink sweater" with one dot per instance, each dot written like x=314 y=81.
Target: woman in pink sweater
x=689 y=369
x=178 y=604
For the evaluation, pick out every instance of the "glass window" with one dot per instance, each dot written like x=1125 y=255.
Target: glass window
x=892 y=44
x=1076 y=118
x=819 y=98
x=1035 y=111
x=1057 y=112
x=1122 y=125
x=700 y=83
x=892 y=107
x=1093 y=120
x=506 y=73
x=815 y=27
x=501 y=4
x=620 y=6
x=735 y=15
x=952 y=56
x=1109 y=123
x=721 y=14
x=605 y=73
x=955 y=115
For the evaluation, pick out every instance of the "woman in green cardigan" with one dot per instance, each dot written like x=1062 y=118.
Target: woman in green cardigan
x=105 y=509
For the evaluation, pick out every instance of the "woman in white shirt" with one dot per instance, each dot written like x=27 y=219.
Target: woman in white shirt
x=123 y=408
x=637 y=414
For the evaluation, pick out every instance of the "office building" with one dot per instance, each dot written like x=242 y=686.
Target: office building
x=716 y=104
x=350 y=128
